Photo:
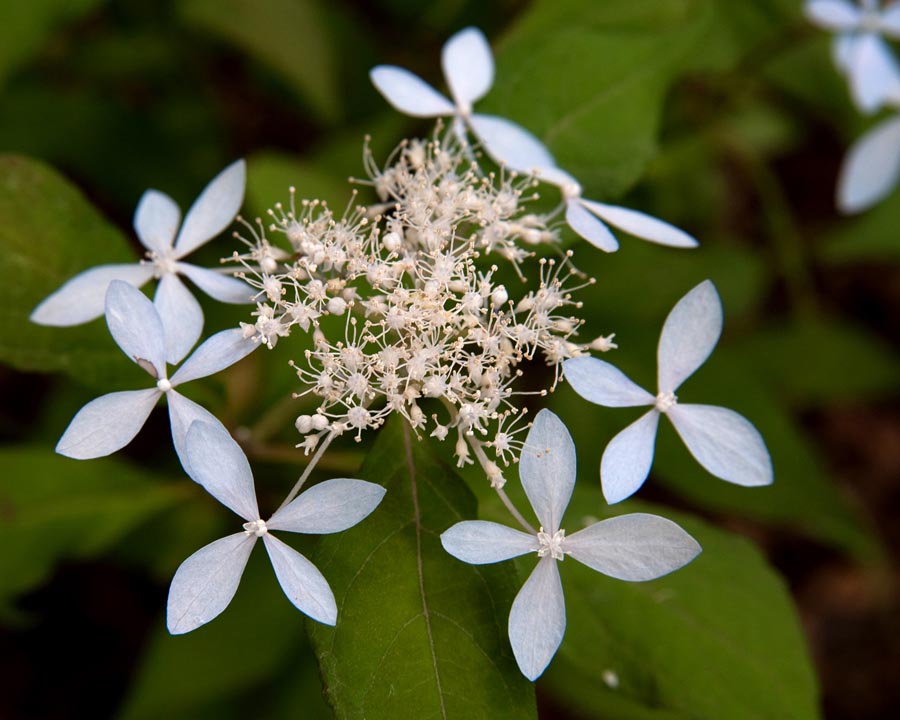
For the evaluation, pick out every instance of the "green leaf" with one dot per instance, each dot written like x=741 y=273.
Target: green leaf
x=719 y=638
x=589 y=79
x=871 y=237
x=50 y=233
x=272 y=174
x=850 y=364
x=716 y=639
x=652 y=278
x=24 y=27
x=804 y=70
x=740 y=34
x=224 y=669
x=291 y=36
x=55 y=508
x=419 y=634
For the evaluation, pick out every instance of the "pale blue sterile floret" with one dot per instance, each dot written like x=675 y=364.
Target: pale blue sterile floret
x=721 y=440
x=635 y=547
x=860 y=49
x=205 y=583
x=110 y=422
x=871 y=169
x=589 y=218
x=156 y=222
x=468 y=66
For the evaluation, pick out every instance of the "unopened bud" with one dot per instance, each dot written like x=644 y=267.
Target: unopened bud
x=603 y=344
x=337 y=305
x=391 y=242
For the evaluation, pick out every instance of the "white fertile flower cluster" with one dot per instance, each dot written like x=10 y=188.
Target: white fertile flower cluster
x=863 y=55
x=426 y=316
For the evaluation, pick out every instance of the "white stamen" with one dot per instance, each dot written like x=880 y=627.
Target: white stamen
x=551 y=544
x=665 y=401
x=256 y=527
x=571 y=191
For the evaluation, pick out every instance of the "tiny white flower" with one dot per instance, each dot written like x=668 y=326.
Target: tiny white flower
x=589 y=218
x=871 y=168
x=860 y=50
x=111 y=421
x=469 y=71
x=634 y=547
x=723 y=442
x=81 y=299
x=206 y=582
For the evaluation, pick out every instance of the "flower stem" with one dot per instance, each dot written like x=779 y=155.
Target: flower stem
x=309 y=468
x=488 y=466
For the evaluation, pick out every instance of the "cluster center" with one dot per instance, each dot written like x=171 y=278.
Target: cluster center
x=551 y=545
x=256 y=527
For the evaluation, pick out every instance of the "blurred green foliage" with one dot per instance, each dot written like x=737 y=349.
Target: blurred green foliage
x=711 y=103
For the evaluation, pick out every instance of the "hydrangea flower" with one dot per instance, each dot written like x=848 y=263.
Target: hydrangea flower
x=81 y=299
x=111 y=421
x=469 y=71
x=634 y=547
x=723 y=442
x=871 y=168
x=205 y=583
x=589 y=218
x=860 y=50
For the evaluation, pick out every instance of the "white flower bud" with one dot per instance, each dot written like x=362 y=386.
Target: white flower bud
x=303 y=424
x=337 y=305
x=462 y=452
x=319 y=422
x=604 y=344
x=499 y=297
x=391 y=242
x=268 y=264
